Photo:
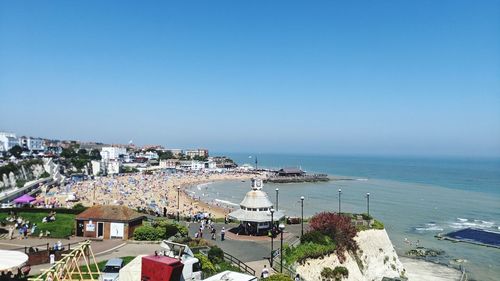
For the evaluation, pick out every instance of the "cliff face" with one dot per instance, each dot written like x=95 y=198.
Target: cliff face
x=26 y=172
x=376 y=259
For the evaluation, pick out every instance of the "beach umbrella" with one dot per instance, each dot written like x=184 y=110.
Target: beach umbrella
x=12 y=260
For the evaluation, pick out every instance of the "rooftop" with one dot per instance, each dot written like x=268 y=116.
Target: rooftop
x=110 y=213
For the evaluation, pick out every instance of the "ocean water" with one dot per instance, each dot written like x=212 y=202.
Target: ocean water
x=416 y=198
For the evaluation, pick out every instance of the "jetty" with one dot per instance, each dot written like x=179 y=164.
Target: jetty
x=294 y=175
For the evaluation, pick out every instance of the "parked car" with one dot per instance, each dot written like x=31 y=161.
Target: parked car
x=111 y=270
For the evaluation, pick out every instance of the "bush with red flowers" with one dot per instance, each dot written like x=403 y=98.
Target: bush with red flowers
x=339 y=229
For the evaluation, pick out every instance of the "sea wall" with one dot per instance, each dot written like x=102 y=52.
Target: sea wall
x=375 y=259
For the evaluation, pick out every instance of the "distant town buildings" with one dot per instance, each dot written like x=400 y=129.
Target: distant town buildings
x=83 y=157
x=8 y=141
x=32 y=144
x=112 y=153
x=192 y=153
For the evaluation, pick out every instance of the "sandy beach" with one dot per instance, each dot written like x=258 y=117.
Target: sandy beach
x=151 y=192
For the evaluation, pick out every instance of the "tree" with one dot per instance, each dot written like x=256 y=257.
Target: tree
x=68 y=153
x=340 y=230
x=163 y=155
x=16 y=150
x=95 y=154
x=83 y=153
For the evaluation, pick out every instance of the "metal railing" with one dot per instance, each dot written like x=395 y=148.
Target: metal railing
x=231 y=259
x=241 y=265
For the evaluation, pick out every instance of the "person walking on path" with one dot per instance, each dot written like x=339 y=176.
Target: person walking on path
x=265 y=272
x=222 y=233
x=213 y=233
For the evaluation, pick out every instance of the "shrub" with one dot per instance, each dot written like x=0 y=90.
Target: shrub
x=278 y=277
x=79 y=207
x=216 y=255
x=315 y=236
x=206 y=265
x=183 y=230
x=340 y=230
x=377 y=225
x=306 y=251
x=334 y=274
x=44 y=175
x=148 y=233
x=170 y=230
x=366 y=216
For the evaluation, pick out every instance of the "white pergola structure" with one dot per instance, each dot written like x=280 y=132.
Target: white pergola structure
x=255 y=210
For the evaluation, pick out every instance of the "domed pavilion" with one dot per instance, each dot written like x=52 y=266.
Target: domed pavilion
x=255 y=211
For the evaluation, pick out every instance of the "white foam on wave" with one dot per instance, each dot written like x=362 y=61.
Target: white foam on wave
x=362 y=179
x=226 y=202
x=473 y=223
x=203 y=185
x=429 y=227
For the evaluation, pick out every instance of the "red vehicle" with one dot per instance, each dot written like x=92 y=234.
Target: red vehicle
x=161 y=268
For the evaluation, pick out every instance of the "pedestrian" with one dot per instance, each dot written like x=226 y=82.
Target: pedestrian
x=225 y=219
x=297 y=277
x=222 y=233
x=265 y=272
x=213 y=233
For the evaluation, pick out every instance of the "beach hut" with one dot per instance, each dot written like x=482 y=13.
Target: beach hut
x=108 y=222
x=25 y=199
x=255 y=211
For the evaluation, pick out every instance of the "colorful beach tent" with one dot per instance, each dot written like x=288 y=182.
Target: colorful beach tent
x=24 y=199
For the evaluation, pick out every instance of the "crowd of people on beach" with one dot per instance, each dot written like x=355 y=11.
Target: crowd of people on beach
x=149 y=192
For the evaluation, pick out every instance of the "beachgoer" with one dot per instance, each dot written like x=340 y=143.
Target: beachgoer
x=265 y=272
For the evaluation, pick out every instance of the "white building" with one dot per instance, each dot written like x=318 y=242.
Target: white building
x=113 y=167
x=210 y=164
x=191 y=165
x=255 y=210
x=33 y=144
x=169 y=163
x=98 y=168
x=112 y=153
x=197 y=152
x=8 y=140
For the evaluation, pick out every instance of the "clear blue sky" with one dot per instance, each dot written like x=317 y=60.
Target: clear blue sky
x=350 y=77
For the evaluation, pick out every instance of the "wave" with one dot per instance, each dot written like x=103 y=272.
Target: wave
x=474 y=223
x=429 y=227
x=226 y=202
x=203 y=185
x=361 y=179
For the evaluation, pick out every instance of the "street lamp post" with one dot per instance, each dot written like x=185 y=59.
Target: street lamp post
x=340 y=194
x=282 y=228
x=368 y=203
x=277 y=198
x=272 y=236
x=178 y=202
x=302 y=213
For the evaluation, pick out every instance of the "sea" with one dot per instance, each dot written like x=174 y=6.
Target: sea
x=415 y=198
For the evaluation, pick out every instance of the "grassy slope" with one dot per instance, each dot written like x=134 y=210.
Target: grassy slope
x=61 y=228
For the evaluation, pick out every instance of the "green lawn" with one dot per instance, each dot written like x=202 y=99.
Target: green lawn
x=63 y=227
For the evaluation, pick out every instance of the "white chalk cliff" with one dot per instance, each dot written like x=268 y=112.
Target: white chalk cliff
x=377 y=259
